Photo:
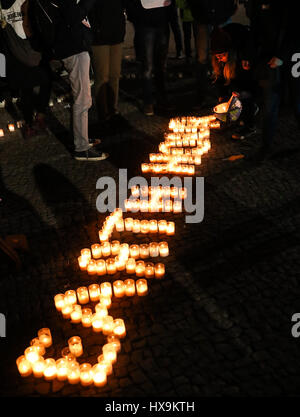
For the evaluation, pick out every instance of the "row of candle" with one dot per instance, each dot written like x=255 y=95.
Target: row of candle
x=168 y=168
x=145 y=226
x=170 y=148
x=152 y=206
x=11 y=128
x=189 y=124
x=202 y=133
x=125 y=251
x=108 y=226
x=164 y=192
x=176 y=159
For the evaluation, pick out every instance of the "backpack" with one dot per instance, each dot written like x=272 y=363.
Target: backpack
x=46 y=15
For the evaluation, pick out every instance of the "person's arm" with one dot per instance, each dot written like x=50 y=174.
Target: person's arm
x=75 y=13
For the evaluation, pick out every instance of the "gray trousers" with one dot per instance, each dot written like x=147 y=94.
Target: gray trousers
x=78 y=67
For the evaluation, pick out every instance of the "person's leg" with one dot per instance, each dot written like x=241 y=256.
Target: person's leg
x=101 y=68
x=174 y=23
x=202 y=55
x=43 y=96
x=147 y=44
x=114 y=77
x=78 y=67
x=27 y=104
x=187 y=32
x=160 y=63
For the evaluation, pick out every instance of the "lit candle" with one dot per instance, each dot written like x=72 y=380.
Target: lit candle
x=159 y=270
x=97 y=323
x=115 y=247
x=1 y=132
x=168 y=206
x=109 y=353
x=94 y=291
x=86 y=254
x=128 y=224
x=141 y=287
x=106 y=249
x=62 y=366
x=103 y=236
x=144 y=251
x=129 y=287
x=153 y=249
x=38 y=368
x=134 y=251
x=119 y=288
x=99 y=375
x=145 y=226
x=24 y=366
x=74 y=373
x=39 y=346
x=96 y=250
x=177 y=207
x=120 y=225
x=75 y=346
x=32 y=354
x=124 y=251
x=105 y=300
x=59 y=301
x=45 y=337
x=162 y=226
x=11 y=127
x=70 y=297
x=115 y=341
x=120 y=263
x=144 y=206
x=163 y=249
x=119 y=328
x=87 y=316
x=149 y=270
x=83 y=295
x=140 y=268
x=111 y=266
x=170 y=229
x=153 y=228
x=130 y=266
x=107 y=364
x=135 y=191
x=76 y=314
x=86 y=374
x=107 y=325
x=101 y=267
x=101 y=310
x=136 y=226
x=50 y=369
x=83 y=262
x=106 y=289
x=67 y=310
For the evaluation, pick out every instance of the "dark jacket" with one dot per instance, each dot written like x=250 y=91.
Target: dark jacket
x=71 y=35
x=108 y=22
x=157 y=17
x=212 y=12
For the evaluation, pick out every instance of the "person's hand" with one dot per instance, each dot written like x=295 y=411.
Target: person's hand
x=245 y=64
x=275 y=62
x=235 y=94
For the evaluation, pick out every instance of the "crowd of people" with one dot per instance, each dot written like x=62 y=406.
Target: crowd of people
x=253 y=61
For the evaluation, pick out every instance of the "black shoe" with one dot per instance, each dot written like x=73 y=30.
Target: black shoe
x=148 y=110
x=90 y=155
x=243 y=133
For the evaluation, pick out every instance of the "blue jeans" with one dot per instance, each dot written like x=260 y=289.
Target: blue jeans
x=154 y=42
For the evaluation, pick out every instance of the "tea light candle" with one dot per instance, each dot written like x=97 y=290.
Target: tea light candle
x=170 y=229
x=96 y=323
x=83 y=263
x=106 y=288
x=119 y=328
x=120 y=263
x=83 y=295
x=103 y=236
x=130 y=266
x=74 y=373
x=109 y=353
x=136 y=226
x=94 y=292
x=115 y=341
x=70 y=297
x=162 y=226
x=101 y=310
x=111 y=266
x=67 y=310
x=99 y=375
x=50 y=369
x=159 y=270
x=141 y=287
x=11 y=127
x=32 y=354
x=149 y=270
x=177 y=207
x=59 y=301
x=86 y=254
x=1 y=132
x=62 y=369
x=87 y=316
x=124 y=251
x=39 y=346
x=38 y=368
x=168 y=206
x=153 y=249
x=76 y=314
x=145 y=226
x=45 y=337
x=120 y=225
x=144 y=206
x=128 y=224
x=86 y=374
x=119 y=288
x=115 y=247
x=129 y=285
x=75 y=346
x=134 y=251
x=144 y=251
x=107 y=364
x=105 y=300
x=101 y=267
x=164 y=249
x=135 y=191
x=107 y=325
x=106 y=249
x=153 y=228
x=24 y=366
x=140 y=268
x=91 y=267
x=96 y=250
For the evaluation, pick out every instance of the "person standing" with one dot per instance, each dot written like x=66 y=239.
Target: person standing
x=107 y=21
x=188 y=27
x=175 y=27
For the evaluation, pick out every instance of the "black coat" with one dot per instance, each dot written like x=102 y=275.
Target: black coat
x=212 y=12
x=108 y=22
x=157 y=17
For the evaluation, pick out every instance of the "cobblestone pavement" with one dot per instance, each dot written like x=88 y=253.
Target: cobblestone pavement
x=219 y=323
